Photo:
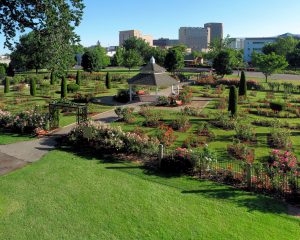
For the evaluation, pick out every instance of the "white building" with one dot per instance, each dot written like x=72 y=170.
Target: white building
x=237 y=43
x=255 y=44
x=4 y=59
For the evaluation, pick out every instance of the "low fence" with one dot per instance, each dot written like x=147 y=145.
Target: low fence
x=258 y=177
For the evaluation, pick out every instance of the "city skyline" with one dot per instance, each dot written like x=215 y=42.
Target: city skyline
x=103 y=20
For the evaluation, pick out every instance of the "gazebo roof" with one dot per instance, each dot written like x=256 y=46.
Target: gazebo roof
x=153 y=75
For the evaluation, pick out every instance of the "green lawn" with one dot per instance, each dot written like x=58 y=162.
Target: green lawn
x=8 y=138
x=65 y=196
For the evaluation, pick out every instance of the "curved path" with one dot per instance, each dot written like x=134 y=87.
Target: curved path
x=17 y=155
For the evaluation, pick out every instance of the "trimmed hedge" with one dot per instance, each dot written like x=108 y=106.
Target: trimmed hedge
x=73 y=87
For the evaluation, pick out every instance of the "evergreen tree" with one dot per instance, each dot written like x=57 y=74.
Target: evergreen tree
x=52 y=78
x=233 y=99
x=243 y=85
x=63 y=91
x=6 y=86
x=108 y=81
x=33 y=87
x=78 y=78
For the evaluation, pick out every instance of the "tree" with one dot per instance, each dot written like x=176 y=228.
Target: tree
x=269 y=64
x=233 y=98
x=18 y=15
x=108 y=81
x=64 y=89
x=30 y=53
x=94 y=59
x=282 y=46
x=293 y=58
x=139 y=45
x=174 y=60
x=33 y=87
x=52 y=78
x=6 y=86
x=78 y=78
x=216 y=46
x=222 y=63
x=10 y=70
x=117 y=59
x=243 y=85
x=132 y=58
x=2 y=71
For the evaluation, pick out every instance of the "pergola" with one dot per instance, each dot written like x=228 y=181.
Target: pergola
x=153 y=75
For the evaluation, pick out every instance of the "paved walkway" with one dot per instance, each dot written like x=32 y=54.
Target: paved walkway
x=17 y=155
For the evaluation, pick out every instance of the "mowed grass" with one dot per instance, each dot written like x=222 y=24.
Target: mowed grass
x=65 y=196
x=8 y=138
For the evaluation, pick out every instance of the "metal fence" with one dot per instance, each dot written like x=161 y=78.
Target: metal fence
x=258 y=177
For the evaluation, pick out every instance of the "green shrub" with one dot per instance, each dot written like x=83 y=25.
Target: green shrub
x=180 y=123
x=125 y=114
x=63 y=90
x=277 y=106
x=73 y=87
x=233 y=99
x=122 y=96
x=7 y=84
x=163 y=101
x=78 y=78
x=243 y=85
x=33 y=87
x=52 y=78
x=108 y=81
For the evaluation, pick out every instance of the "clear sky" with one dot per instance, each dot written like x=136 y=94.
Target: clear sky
x=103 y=19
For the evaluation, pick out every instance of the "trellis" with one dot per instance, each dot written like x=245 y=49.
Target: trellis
x=54 y=107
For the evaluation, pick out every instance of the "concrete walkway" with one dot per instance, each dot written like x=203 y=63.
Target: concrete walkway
x=17 y=155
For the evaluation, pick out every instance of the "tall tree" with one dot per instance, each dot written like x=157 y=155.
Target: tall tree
x=108 y=81
x=33 y=86
x=117 y=59
x=222 y=63
x=293 y=58
x=233 y=99
x=63 y=88
x=139 y=45
x=30 y=53
x=78 y=78
x=269 y=64
x=174 y=60
x=18 y=15
x=94 y=59
x=7 y=84
x=243 y=85
x=132 y=58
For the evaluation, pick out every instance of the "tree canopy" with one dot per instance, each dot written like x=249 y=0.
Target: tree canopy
x=132 y=58
x=222 y=63
x=174 y=59
x=17 y=15
x=269 y=64
x=94 y=59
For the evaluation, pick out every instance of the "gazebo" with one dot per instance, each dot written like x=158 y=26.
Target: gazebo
x=153 y=75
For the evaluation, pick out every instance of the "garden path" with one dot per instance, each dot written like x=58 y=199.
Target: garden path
x=17 y=155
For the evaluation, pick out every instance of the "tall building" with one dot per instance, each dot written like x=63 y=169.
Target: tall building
x=196 y=38
x=255 y=45
x=237 y=43
x=216 y=30
x=124 y=35
x=165 y=42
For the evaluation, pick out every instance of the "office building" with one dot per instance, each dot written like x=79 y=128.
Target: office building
x=216 y=30
x=124 y=35
x=255 y=44
x=165 y=42
x=196 y=38
x=237 y=43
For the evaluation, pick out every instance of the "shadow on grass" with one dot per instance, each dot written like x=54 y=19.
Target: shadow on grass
x=188 y=185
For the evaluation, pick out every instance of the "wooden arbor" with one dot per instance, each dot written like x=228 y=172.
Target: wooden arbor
x=54 y=107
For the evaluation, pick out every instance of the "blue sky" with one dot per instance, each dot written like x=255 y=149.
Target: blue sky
x=162 y=18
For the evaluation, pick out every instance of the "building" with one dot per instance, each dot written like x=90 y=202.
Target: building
x=216 y=30
x=4 y=59
x=165 y=42
x=196 y=38
x=124 y=35
x=255 y=44
x=237 y=43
